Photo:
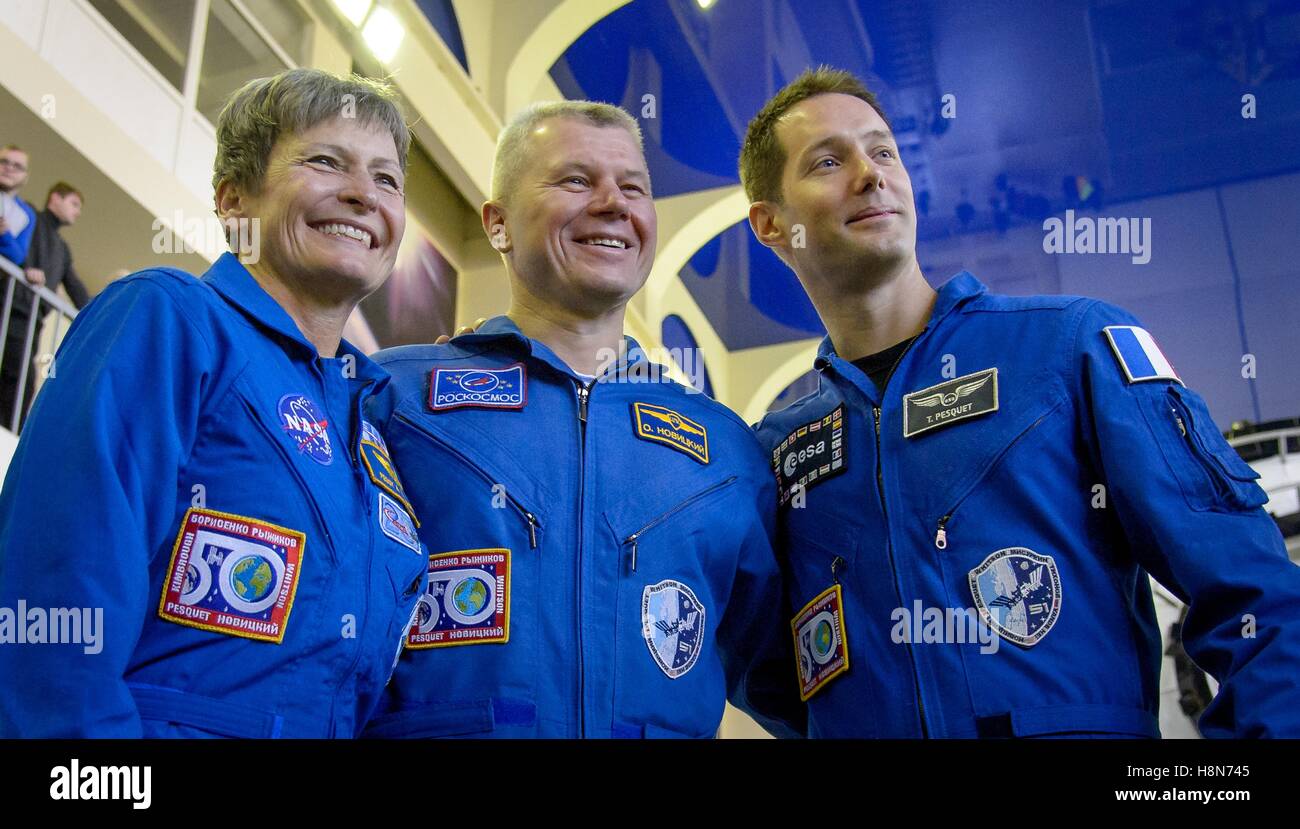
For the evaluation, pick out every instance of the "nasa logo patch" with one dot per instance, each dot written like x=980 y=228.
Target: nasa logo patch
x=232 y=574
x=1018 y=594
x=302 y=421
x=672 y=624
x=663 y=425
x=396 y=523
x=820 y=646
x=809 y=455
x=467 y=601
x=482 y=388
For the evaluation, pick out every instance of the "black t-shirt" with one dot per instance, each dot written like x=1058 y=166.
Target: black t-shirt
x=880 y=365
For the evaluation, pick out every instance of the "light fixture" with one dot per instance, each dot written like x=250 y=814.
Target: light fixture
x=354 y=10
x=704 y=4
x=383 y=33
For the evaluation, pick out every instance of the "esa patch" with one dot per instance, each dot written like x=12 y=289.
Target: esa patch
x=374 y=454
x=467 y=601
x=396 y=523
x=482 y=388
x=950 y=402
x=1138 y=355
x=672 y=624
x=303 y=422
x=810 y=454
x=232 y=574
x=820 y=646
x=664 y=425
x=1018 y=594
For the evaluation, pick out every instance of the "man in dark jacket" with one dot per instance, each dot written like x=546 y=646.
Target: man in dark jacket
x=49 y=264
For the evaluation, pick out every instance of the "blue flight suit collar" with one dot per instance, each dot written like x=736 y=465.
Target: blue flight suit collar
x=955 y=292
x=231 y=279
x=502 y=330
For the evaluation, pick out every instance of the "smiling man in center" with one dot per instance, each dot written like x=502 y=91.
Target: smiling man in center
x=600 y=538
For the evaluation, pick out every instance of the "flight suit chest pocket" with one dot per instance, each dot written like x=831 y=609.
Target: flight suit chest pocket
x=474 y=634
x=675 y=571
x=1210 y=473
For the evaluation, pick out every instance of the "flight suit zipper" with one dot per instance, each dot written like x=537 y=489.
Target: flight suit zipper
x=533 y=524
x=634 y=537
x=941 y=532
x=583 y=393
x=889 y=545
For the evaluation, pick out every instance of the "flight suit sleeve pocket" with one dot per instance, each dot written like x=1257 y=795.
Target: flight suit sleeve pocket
x=1210 y=473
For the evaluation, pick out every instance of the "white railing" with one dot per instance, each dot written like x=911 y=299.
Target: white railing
x=1280 y=437
x=41 y=296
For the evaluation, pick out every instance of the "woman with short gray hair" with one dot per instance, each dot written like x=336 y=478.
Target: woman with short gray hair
x=198 y=489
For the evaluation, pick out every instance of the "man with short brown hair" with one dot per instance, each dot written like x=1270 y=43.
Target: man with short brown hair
x=972 y=500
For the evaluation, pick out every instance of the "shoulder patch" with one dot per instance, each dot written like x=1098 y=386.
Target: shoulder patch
x=481 y=388
x=1139 y=357
x=232 y=574
x=467 y=601
x=663 y=425
x=809 y=455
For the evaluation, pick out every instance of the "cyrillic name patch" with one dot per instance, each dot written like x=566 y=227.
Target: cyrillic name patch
x=396 y=523
x=1018 y=594
x=374 y=454
x=467 y=601
x=663 y=425
x=950 y=402
x=303 y=422
x=672 y=624
x=1138 y=355
x=820 y=646
x=810 y=454
x=483 y=388
x=232 y=574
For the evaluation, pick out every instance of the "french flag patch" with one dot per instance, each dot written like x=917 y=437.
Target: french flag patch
x=1138 y=355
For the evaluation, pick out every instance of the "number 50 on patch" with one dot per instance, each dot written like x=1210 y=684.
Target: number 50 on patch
x=820 y=647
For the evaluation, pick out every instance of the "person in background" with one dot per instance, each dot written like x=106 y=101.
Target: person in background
x=17 y=217
x=48 y=264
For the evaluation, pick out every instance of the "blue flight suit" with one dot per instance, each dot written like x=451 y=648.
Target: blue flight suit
x=1032 y=500
x=191 y=468
x=601 y=560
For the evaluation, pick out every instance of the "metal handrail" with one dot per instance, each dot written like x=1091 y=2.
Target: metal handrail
x=41 y=291
x=39 y=294
x=1260 y=437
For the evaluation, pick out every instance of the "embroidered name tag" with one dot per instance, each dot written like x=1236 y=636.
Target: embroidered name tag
x=820 y=646
x=232 y=574
x=467 y=602
x=950 y=402
x=663 y=425
x=483 y=388
x=810 y=454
